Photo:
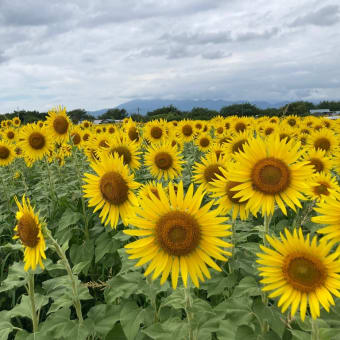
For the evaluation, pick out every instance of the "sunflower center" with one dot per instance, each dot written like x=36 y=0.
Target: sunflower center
x=283 y=136
x=218 y=154
x=318 y=165
x=133 y=133
x=187 y=130
x=10 y=134
x=103 y=143
x=60 y=125
x=86 y=124
x=268 y=131
x=28 y=231
x=156 y=132
x=36 y=140
x=270 y=176
x=76 y=138
x=219 y=130
x=4 y=152
x=198 y=126
x=178 y=233
x=111 y=129
x=211 y=172
x=304 y=274
x=122 y=152
x=322 y=143
x=305 y=131
x=238 y=146
x=155 y=192
x=86 y=137
x=204 y=142
x=227 y=126
x=163 y=160
x=239 y=127
x=321 y=189
x=114 y=188
x=230 y=185
x=292 y=122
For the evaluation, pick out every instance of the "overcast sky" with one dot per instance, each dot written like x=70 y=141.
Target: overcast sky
x=97 y=54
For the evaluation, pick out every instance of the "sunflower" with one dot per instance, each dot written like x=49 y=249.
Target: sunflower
x=10 y=134
x=301 y=272
x=321 y=186
x=28 y=230
x=324 y=139
x=206 y=170
x=319 y=160
x=76 y=136
x=155 y=131
x=292 y=120
x=132 y=131
x=221 y=190
x=86 y=124
x=237 y=142
x=7 y=153
x=204 y=142
x=111 y=189
x=186 y=130
x=218 y=150
x=35 y=141
x=181 y=236
x=268 y=129
x=58 y=124
x=16 y=121
x=240 y=124
x=148 y=189
x=163 y=160
x=269 y=172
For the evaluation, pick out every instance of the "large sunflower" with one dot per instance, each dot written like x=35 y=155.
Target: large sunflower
x=270 y=172
x=58 y=124
x=301 y=271
x=181 y=236
x=35 y=141
x=325 y=140
x=321 y=186
x=28 y=230
x=7 y=153
x=163 y=160
x=111 y=190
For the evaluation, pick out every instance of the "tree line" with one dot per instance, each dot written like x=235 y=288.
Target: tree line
x=299 y=108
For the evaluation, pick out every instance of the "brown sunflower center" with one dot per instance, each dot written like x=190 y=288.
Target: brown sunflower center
x=86 y=136
x=178 y=233
x=219 y=130
x=322 y=143
x=230 y=185
x=218 y=154
x=317 y=163
x=76 y=138
x=155 y=192
x=268 y=131
x=10 y=134
x=304 y=274
x=204 y=142
x=270 y=176
x=86 y=124
x=211 y=172
x=238 y=146
x=163 y=160
x=283 y=136
x=104 y=144
x=305 y=131
x=198 y=126
x=156 y=132
x=322 y=189
x=36 y=140
x=239 y=127
x=111 y=130
x=114 y=188
x=187 y=130
x=133 y=133
x=4 y=152
x=227 y=126
x=28 y=231
x=123 y=152
x=60 y=125
x=292 y=122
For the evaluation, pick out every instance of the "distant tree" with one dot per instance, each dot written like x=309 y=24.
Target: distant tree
x=245 y=109
x=115 y=114
x=201 y=113
x=332 y=105
x=163 y=111
x=138 y=117
x=79 y=115
x=299 y=108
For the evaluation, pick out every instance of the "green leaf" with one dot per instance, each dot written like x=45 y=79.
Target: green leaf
x=226 y=330
x=16 y=277
x=172 y=329
x=5 y=325
x=247 y=286
x=82 y=253
x=299 y=335
x=245 y=332
x=105 y=244
x=131 y=316
x=176 y=299
x=24 y=308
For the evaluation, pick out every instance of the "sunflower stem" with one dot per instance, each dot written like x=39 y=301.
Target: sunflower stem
x=62 y=255
x=267 y=219
x=233 y=236
x=52 y=189
x=188 y=311
x=35 y=320
x=153 y=297
x=315 y=330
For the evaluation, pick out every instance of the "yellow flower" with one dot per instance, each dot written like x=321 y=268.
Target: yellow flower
x=58 y=124
x=7 y=153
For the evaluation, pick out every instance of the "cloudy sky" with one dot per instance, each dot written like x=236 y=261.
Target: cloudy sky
x=98 y=54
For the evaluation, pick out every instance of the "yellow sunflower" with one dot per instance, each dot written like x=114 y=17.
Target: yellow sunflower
x=28 y=230
x=35 y=141
x=76 y=136
x=324 y=139
x=86 y=124
x=237 y=142
x=204 y=142
x=10 y=134
x=155 y=131
x=111 y=190
x=321 y=186
x=7 y=153
x=58 y=124
x=180 y=235
x=186 y=130
x=270 y=172
x=319 y=160
x=301 y=271
x=132 y=132
x=163 y=161
x=148 y=189
x=16 y=121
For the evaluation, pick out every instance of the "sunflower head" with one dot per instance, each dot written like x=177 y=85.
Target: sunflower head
x=7 y=153
x=59 y=124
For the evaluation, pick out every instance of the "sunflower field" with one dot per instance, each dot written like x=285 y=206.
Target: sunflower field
x=220 y=229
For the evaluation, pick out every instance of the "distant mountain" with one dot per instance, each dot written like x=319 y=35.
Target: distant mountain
x=143 y=106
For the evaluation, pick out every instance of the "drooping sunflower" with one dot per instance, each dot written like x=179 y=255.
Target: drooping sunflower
x=7 y=153
x=270 y=172
x=206 y=170
x=111 y=190
x=35 y=141
x=180 y=235
x=58 y=124
x=28 y=230
x=163 y=160
x=325 y=140
x=321 y=186
x=301 y=271
x=221 y=190
x=319 y=160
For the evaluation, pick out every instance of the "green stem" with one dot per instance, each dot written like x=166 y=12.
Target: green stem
x=267 y=219
x=6 y=193
x=35 y=320
x=152 y=298
x=188 y=311
x=62 y=255
x=315 y=330
x=50 y=180
x=233 y=238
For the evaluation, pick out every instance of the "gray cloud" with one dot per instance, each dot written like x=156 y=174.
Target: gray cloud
x=247 y=36
x=325 y=16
